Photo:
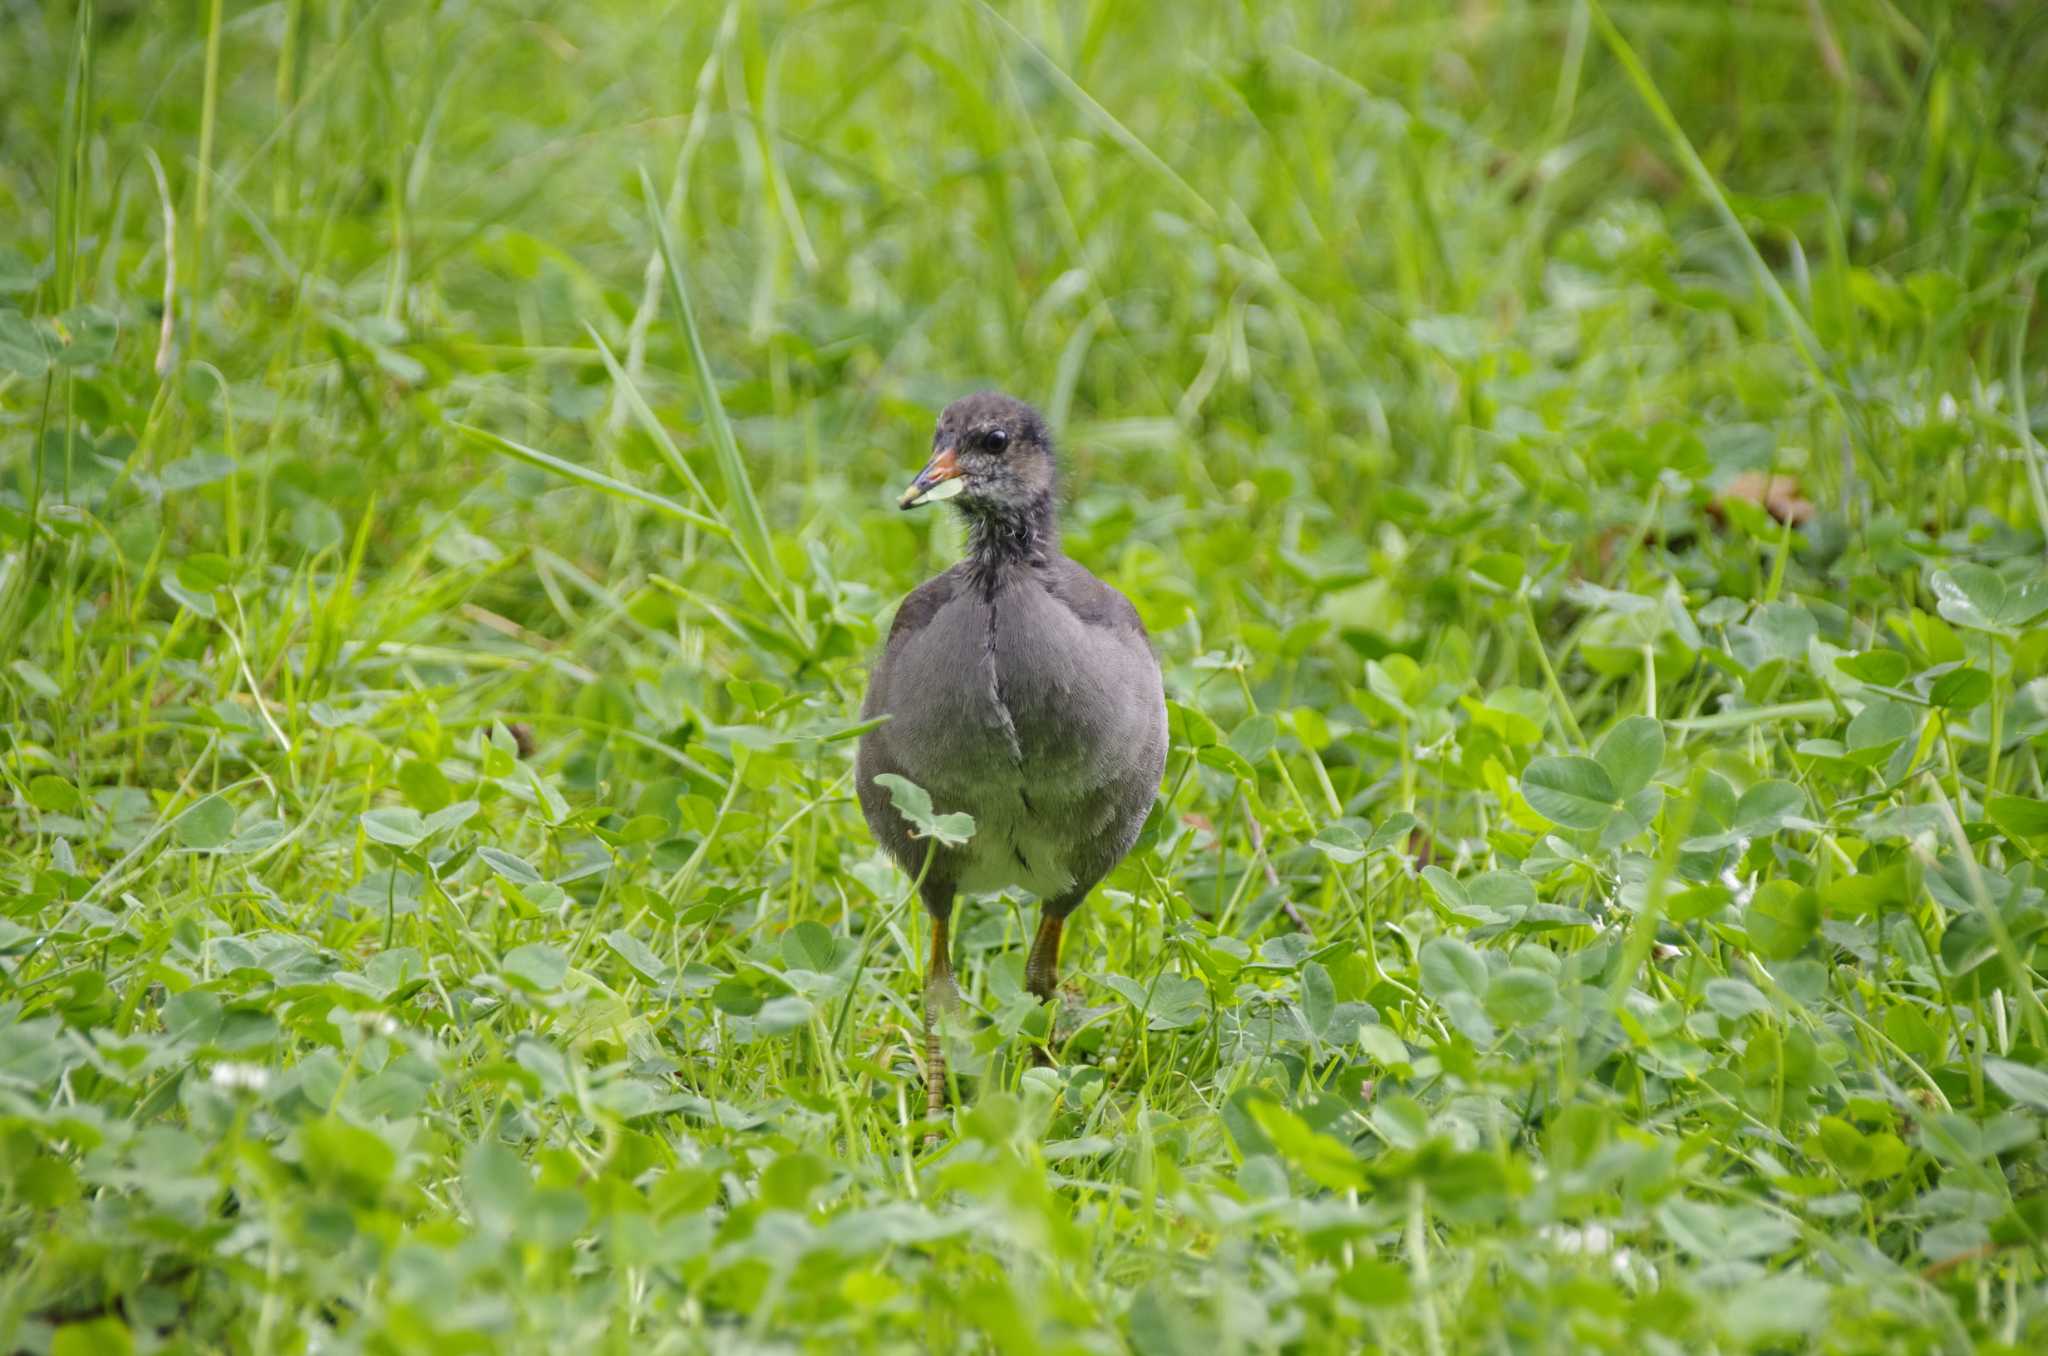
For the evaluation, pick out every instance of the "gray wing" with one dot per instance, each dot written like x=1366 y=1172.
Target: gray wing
x=1119 y=645
x=913 y=614
x=873 y=757
x=1097 y=605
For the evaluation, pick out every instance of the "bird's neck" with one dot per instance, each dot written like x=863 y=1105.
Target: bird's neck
x=997 y=539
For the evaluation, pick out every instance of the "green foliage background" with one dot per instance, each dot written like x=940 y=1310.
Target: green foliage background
x=1587 y=910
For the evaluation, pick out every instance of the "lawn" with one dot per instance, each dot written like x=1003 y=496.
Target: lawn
x=1580 y=462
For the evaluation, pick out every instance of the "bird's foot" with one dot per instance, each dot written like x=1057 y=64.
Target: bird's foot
x=941 y=1005
x=942 y=995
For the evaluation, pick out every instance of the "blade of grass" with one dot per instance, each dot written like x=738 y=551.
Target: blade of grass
x=208 y=109
x=634 y=403
x=1756 y=715
x=750 y=528
x=678 y=197
x=1103 y=118
x=637 y=405
x=596 y=480
x=1811 y=354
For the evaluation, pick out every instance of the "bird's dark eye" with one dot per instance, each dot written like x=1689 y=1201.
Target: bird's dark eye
x=996 y=439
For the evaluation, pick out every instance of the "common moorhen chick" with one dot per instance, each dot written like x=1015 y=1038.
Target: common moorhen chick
x=1019 y=688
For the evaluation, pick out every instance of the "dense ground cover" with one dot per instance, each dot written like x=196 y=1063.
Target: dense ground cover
x=1596 y=901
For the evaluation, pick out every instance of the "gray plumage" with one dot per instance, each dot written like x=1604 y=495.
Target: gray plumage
x=1031 y=701
x=1020 y=688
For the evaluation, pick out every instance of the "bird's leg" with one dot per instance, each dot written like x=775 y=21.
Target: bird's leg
x=1042 y=969
x=941 y=996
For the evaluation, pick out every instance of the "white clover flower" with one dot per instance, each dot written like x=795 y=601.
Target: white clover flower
x=1597 y=1240
x=1587 y=1239
x=1640 y=1270
x=231 y=1076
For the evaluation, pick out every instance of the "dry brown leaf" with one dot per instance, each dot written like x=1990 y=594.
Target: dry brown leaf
x=1778 y=496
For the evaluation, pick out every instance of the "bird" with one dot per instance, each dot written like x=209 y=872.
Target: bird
x=1018 y=688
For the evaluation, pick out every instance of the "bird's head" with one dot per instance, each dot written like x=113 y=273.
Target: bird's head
x=991 y=455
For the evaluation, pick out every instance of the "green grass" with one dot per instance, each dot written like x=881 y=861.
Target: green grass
x=1583 y=911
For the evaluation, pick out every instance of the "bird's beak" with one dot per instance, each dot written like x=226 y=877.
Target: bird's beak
x=940 y=479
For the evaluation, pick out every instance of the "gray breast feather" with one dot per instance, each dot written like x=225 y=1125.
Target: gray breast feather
x=1050 y=729
x=940 y=691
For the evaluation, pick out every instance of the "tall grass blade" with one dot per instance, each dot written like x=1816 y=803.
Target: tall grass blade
x=1803 y=338
x=756 y=566
x=1103 y=118
x=750 y=528
x=636 y=404
x=596 y=480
